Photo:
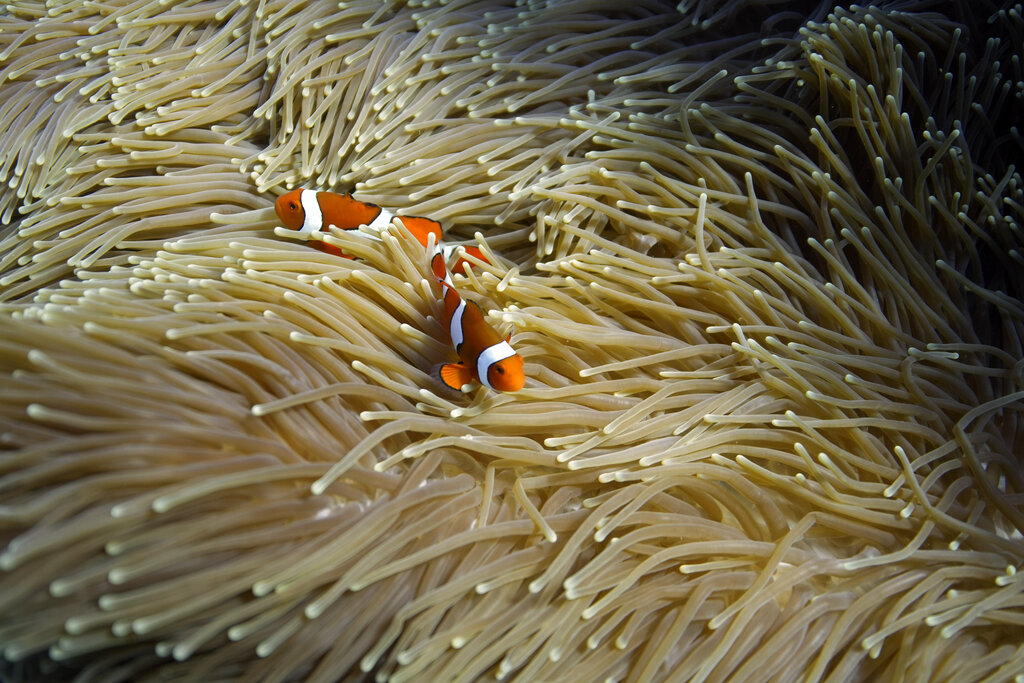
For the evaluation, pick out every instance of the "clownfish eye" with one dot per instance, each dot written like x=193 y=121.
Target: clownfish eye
x=293 y=206
x=501 y=370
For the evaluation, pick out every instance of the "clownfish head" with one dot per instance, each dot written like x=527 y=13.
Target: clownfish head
x=507 y=374
x=289 y=209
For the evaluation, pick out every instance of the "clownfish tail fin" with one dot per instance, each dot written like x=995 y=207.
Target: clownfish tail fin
x=438 y=267
x=440 y=270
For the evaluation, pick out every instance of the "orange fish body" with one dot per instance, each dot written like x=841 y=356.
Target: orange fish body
x=483 y=354
x=309 y=211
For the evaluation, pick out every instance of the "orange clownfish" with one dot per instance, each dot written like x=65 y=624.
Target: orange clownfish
x=309 y=211
x=484 y=355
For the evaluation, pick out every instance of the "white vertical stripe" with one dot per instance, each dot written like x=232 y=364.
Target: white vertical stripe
x=489 y=356
x=313 y=217
x=455 y=327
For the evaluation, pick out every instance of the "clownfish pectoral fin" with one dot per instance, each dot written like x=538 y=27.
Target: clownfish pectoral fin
x=456 y=375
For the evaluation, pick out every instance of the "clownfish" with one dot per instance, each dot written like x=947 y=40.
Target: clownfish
x=309 y=211
x=484 y=355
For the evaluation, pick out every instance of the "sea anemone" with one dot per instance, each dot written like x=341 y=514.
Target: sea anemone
x=761 y=266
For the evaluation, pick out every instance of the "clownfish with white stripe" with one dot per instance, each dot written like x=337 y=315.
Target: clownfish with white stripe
x=309 y=211
x=484 y=355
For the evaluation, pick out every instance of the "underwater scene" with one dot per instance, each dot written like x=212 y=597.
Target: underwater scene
x=557 y=341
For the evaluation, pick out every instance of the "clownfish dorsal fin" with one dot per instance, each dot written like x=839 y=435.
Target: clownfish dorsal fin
x=422 y=228
x=474 y=314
